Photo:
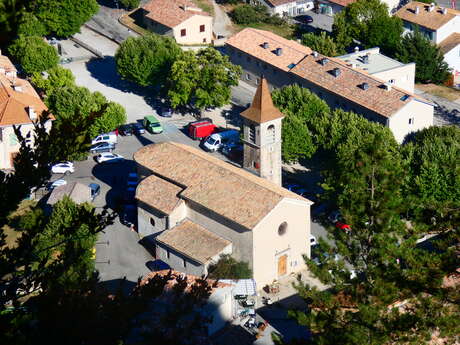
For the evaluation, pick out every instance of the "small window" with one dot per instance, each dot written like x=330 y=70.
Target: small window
x=411 y=121
x=257 y=81
x=201 y=28
x=183 y=32
x=252 y=133
x=167 y=253
x=152 y=222
x=184 y=263
x=282 y=229
x=271 y=134
x=391 y=81
x=248 y=76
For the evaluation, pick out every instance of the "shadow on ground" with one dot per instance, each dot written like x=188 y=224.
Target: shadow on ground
x=115 y=285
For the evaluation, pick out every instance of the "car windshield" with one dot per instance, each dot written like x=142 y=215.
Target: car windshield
x=212 y=141
x=156 y=124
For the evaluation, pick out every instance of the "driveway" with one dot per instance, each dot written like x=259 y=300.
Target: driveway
x=222 y=24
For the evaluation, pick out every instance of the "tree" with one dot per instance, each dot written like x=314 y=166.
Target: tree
x=321 y=43
x=433 y=178
x=202 y=79
x=34 y=54
x=57 y=77
x=63 y=18
x=31 y=26
x=130 y=4
x=369 y=22
x=113 y=117
x=430 y=66
x=248 y=14
x=304 y=111
x=146 y=60
x=11 y=12
x=228 y=268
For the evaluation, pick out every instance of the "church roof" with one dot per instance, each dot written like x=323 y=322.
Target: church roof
x=262 y=108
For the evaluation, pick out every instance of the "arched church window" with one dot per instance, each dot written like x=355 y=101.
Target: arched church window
x=271 y=134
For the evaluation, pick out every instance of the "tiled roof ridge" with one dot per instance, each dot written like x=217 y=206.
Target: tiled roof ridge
x=261 y=32
x=234 y=170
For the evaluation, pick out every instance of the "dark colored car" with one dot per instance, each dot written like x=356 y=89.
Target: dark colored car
x=102 y=147
x=234 y=151
x=126 y=130
x=95 y=190
x=138 y=128
x=305 y=19
x=129 y=215
x=166 y=112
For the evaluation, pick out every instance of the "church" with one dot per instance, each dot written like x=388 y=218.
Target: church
x=194 y=207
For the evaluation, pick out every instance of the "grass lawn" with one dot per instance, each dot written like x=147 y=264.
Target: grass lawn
x=205 y=5
x=131 y=21
x=286 y=31
x=440 y=90
x=11 y=234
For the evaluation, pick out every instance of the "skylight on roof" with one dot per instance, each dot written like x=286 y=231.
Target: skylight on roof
x=291 y=65
x=405 y=97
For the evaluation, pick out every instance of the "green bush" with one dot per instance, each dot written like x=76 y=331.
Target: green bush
x=34 y=54
x=228 y=268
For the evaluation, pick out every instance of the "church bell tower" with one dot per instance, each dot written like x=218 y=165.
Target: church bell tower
x=262 y=136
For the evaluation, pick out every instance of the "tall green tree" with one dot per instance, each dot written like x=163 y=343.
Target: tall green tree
x=56 y=77
x=369 y=22
x=430 y=66
x=34 y=54
x=63 y=18
x=304 y=114
x=30 y=25
x=321 y=43
x=11 y=13
x=146 y=60
x=202 y=79
x=229 y=268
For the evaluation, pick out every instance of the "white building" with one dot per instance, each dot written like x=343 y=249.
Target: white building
x=451 y=49
x=383 y=67
x=290 y=8
x=332 y=7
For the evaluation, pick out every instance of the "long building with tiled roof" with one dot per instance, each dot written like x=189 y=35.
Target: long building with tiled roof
x=283 y=62
x=19 y=105
x=180 y=19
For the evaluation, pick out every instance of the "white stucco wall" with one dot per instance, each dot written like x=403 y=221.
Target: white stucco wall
x=452 y=58
x=291 y=9
x=193 y=34
x=403 y=77
x=269 y=245
x=447 y=29
x=420 y=112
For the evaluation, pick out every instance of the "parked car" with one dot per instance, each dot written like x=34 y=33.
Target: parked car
x=102 y=147
x=126 y=130
x=313 y=241
x=63 y=168
x=166 y=112
x=95 y=190
x=152 y=124
x=201 y=129
x=336 y=218
x=305 y=19
x=138 y=128
x=215 y=141
x=57 y=183
x=106 y=137
x=132 y=180
x=234 y=151
x=108 y=157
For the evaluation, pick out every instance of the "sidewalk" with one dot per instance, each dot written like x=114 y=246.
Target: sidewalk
x=445 y=112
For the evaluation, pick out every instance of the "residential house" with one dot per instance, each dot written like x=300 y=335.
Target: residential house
x=284 y=62
x=440 y=24
x=371 y=61
x=180 y=19
x=194 y=207
x=284 y=8
x=20 y=105
x=332 y=7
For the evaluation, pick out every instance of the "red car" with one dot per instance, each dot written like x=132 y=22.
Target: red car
x=343 y=226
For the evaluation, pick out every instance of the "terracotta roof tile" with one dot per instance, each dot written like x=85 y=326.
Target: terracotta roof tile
x=218 y=186
x=262 y=108
x=194 y=241
x=171 y=13
x=450 y=42
x=251 y=42
x=6 y=64
x=159 y=193
x=432 y=20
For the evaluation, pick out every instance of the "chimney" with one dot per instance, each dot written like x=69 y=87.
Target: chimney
x=431 y=7
x=364 y=86
x=417 y=10
x=353 y=65
x=366 y=59
x=324 y=61
x=265 y=45
x=444 y=11
x=17 y=88
x=32 y=113
x=387 y=86
x=356 y=49
x=184 y=7
x=315 y=54
x=279 y=51
x=336 y=72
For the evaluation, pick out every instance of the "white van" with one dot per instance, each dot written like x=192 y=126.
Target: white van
x=106 y=137
x=215 y=141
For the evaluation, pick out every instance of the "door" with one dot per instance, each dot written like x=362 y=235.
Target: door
x=282 y=265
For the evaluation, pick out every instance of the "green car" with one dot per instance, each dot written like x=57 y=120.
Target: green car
x=152 y=124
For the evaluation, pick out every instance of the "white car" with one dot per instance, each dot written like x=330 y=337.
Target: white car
x=57 y=183
x=313 y=241
x=63 y=168
x=108 y=157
